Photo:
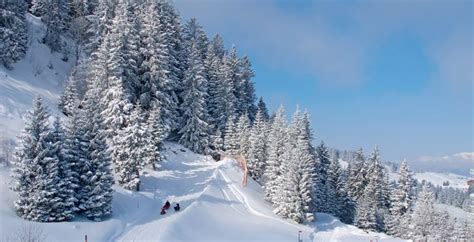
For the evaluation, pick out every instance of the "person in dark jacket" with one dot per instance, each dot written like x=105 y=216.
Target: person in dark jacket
x=176 y=208
x=167 y=205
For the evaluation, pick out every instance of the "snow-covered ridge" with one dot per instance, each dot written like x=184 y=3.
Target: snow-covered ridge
x=40 y=72
x=215 y=207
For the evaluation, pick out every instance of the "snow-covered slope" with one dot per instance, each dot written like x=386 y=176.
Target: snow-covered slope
x=437 y=179
x=215 y=207
x=40 y=72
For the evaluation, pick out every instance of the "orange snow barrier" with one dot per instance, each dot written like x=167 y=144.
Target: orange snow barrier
x=241 y=162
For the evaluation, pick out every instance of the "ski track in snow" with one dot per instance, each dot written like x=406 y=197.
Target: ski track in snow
x=241 y=197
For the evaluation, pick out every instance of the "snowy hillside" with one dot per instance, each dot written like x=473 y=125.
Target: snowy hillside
x=40 y=72
x=437 y=179
x=215 y=207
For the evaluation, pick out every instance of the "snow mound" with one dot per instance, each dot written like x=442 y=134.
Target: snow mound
x=214 y=207
x=40 y=72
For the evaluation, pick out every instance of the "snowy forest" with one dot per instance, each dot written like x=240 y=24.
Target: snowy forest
x=142 y=77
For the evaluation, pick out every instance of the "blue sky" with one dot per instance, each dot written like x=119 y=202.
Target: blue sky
x=394 y=73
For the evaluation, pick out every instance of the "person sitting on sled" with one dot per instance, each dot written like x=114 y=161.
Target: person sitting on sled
x=176 y=208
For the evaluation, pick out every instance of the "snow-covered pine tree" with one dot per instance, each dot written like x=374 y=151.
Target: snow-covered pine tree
x=37 y=171
x=216 y=92
x=170 y=20
x=334 y=184
x=28 y=156
x=56 y=19
x=296 y=191
x=257 y=148
x=69 y=99
x=45 y=192
x=38 y=7
x=97 y=202
x=195 y=131
x=287 y=202
x=424 y=215
x=243 y=133
x=262 y=106
x=115 y=98
x=130 y=151
x=356 y=179
x=100 y=25
x=13 y=31
x=229 y=79
x=158 y=87
x=217 y=142
x=76 y=147
x=365 y=217
x=154 y=135
x=65 y=207
x=276 y=142
x=247 y=95
x=231 y=142
x=401 y=201
x=321 y=177
x=193 y=34
x=444 y=226
x=376 y=187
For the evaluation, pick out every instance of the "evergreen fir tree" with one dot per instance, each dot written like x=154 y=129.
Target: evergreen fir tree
x=13 y=31
x=97 y=202
x=155 y=135
x=217 y=142
x=321 y=177
x=158 y=86
x=276 y=142
x=296 y=191
x=172 y=32
x=243 y=133
x=356 y=180
x=229 y=79
x=65 y=207
x=402 y=201
x=28 y=156
x=376 y=187
x=216 y=92
x=100 y=25
x=42 y=196
x=366 y=213
x=69 y=99
x=56 y=19
x=424 y=214
x=39 y=7
x=262 y=106
x=231 y=142
x=195 y=131
x=257 y=148
x=130 y=152
x=247 y=90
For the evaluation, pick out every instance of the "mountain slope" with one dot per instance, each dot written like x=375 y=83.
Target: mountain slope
x=215 y=207
x=40 y=72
